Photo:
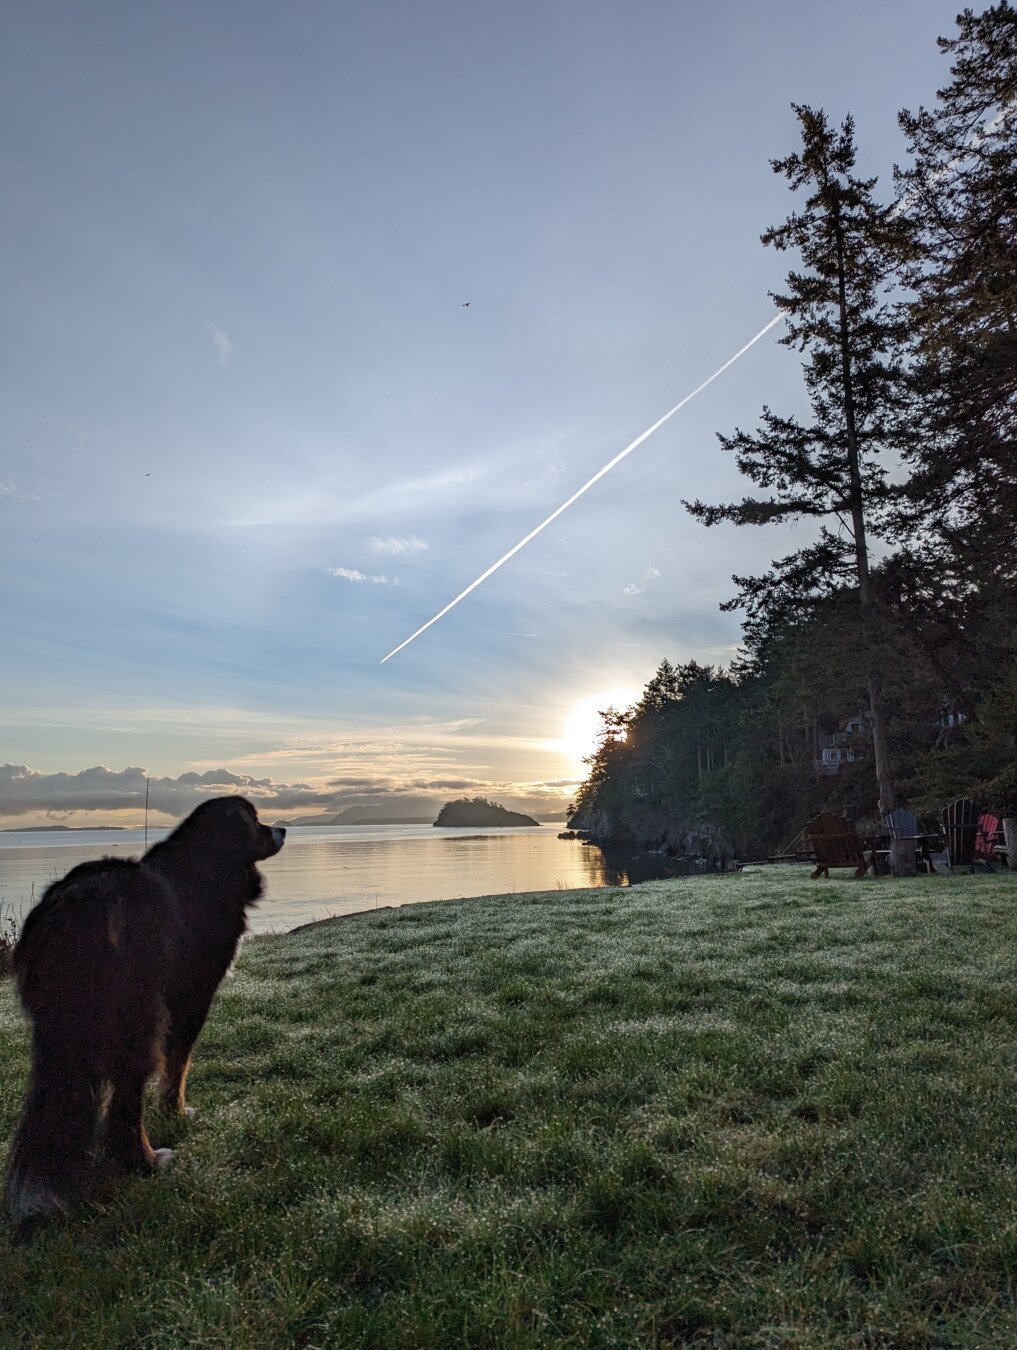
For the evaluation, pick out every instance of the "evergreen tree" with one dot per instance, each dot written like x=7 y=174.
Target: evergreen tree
x=830 y=469
x=959 y=201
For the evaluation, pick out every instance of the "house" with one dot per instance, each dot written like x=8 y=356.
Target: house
x=842 y=747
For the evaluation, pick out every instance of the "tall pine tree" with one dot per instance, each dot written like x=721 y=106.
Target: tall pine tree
x=831 y=468
x=959 y=200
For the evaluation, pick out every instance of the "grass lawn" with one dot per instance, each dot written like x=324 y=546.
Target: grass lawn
x=745 y=1111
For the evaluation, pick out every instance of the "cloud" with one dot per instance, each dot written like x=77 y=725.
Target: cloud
x=637 y=587
x=25 y=791
x=353 y=574
x=9 y=488
x=223 y=345
x=398 y=545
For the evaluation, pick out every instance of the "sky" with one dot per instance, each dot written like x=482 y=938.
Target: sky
x=312 y=311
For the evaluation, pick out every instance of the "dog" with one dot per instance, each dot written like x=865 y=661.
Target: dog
x=116 y=967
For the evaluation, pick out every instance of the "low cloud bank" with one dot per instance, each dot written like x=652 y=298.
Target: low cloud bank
x=28 y=792
x=25 y=791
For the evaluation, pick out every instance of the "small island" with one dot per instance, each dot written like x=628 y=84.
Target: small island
x=479 y=811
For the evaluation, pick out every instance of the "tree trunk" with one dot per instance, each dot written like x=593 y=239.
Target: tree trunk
x=903 y=862
x=869 y=625
x=881 y=750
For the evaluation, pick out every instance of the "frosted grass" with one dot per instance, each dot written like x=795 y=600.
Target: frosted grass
x=750 y=1110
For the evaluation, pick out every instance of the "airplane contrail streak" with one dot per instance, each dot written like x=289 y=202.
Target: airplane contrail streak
x=633 y=445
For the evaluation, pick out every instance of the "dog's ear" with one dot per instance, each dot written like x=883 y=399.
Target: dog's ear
x=227 y=823
x=258 y=841
x=219 y=816
x=242 y=816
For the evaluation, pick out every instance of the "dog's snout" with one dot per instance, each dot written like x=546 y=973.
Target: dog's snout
x=279 y=835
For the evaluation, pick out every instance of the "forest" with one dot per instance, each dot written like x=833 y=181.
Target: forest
x=878 y=662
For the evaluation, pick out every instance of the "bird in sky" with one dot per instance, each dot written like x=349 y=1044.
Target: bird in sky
x=466 y=304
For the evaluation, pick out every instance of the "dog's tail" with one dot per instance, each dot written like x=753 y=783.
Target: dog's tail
x=53 y=1148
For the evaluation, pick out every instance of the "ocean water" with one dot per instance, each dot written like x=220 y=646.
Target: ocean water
x=326 y=871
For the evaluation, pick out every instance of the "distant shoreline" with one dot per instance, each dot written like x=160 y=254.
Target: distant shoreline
x=61 y=829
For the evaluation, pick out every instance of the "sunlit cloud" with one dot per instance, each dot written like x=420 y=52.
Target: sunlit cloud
x=637 y=587
x=133 y=792
x=9 y=487
x=500 y=478
x=427 y=738
x=26 y=791
x=393 y=546
x=354 y=574
x=222 y=343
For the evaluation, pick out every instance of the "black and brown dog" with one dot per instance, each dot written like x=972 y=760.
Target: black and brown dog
x=117 y=966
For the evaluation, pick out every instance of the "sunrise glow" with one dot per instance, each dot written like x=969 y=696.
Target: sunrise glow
x=584 y=723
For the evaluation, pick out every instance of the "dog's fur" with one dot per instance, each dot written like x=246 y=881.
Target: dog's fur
x=117 y=966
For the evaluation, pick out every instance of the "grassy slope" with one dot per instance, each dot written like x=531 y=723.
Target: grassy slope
x=746 y=1111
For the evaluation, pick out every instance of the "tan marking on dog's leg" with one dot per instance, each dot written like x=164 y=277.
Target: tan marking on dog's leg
x=173 y=1084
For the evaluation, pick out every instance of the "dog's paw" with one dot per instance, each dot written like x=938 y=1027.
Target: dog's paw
x=161 y=1157
x=174 y=1108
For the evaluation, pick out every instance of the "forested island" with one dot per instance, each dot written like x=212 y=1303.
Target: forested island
x=475 y=811
x=878 y=665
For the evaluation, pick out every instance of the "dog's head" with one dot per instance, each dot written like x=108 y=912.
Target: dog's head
x=231 y=825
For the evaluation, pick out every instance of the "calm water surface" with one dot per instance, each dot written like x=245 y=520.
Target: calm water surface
x=325 y=871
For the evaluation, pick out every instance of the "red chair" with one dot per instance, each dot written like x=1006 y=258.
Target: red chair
x=989 y=840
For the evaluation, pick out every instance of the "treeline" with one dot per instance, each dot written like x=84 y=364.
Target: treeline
x=879 y=660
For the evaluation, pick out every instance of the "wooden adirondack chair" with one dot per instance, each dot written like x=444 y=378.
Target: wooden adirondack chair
x=989 y=839
x=960 y=825
x=902 y=826
x=837 y=844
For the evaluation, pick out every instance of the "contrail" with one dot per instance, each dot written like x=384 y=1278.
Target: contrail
x=1003 y=116
x=634 y=445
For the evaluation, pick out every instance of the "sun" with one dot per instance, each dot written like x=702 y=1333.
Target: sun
x=583 y=723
